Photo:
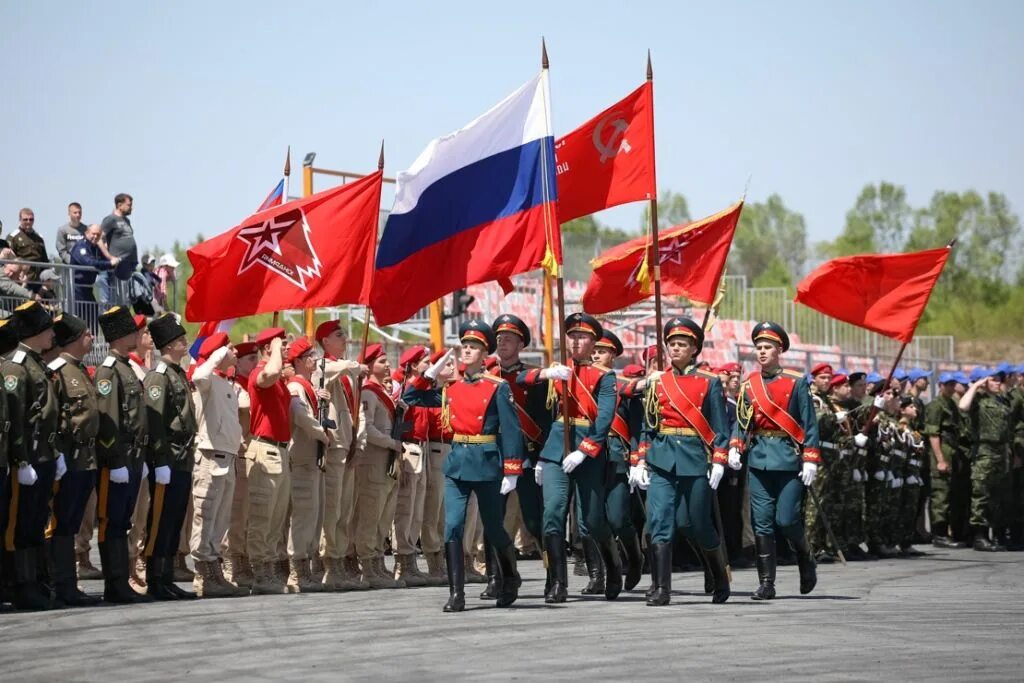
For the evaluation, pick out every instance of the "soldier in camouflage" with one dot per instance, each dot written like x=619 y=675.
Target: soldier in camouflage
x=912 y=452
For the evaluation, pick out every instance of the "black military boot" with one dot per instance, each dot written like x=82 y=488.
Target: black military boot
x=456 y=567
x=114 y=557
x=509 y=580
x=595 y=567
x=651 y=566
x=981 y=541
x=27 y=593
x=805 y=561
x=44 y=575
x=661 y=575
x=634 y=560
x=765 y=548
x=167 y=564
x=490 y=592
x=555 y=546
x=156 y=586
x=65 y=573
x=709 y=579
x=613 y=567
x=998 y=540
x=715 y=558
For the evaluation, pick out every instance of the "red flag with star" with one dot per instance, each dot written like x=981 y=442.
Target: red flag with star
x=316 y=251
x=692 y=258
x=609 y=160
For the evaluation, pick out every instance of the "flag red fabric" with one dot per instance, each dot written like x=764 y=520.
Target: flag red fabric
x=311 y=252
x=884 y=293
x=692 y=258
x=609 y=160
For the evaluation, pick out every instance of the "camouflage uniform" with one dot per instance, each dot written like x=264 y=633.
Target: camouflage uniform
x=990 y=471
x=825 y=484
x=943 y=420
x=913 y=450
x=878 y=492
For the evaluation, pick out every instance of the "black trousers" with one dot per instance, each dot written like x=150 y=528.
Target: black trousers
x=168 y=504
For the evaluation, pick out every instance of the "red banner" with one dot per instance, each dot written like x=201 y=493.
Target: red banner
x=609 y=160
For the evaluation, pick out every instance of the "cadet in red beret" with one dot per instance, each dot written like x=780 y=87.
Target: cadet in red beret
x=821 y=374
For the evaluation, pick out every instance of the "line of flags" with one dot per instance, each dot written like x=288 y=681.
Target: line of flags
x=484 y=203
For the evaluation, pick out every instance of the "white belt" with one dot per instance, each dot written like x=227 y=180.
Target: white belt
x=900 y=453
x=828 y=444
x=914 y=462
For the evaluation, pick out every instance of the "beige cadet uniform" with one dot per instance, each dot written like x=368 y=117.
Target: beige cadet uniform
x=373 y=486
x=235 y=560
x=217 y=442
x=306 y=485
x=409 y=498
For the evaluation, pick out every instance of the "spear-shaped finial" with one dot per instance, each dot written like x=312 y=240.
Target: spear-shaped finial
x=650 y=69
x=288 y=161
x=543 y=54
x=380 y=159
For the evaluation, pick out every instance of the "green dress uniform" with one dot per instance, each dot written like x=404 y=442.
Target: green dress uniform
x=487 y=447
x=76 y=439
x=943 y=419
x=991 y=482
x=8 y=342
x=32 y=406
x=775 y=409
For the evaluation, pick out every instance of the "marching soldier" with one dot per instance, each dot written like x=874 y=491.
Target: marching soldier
x=171 y=417
x=340 y=377
x=431 y=525
x=122 y=439
x=880 y=495
x=412 y=482
x=942 y=428
x=856 y=409
x=218 y=436
x=776 y=411
x=828 y=429
x=912 y=449
x=685 y=426
x=76 y=439
x=591 y=401
x=32 y=406
x=8 y=343
x=237 y=568
x=485 y=460
x=821 y=379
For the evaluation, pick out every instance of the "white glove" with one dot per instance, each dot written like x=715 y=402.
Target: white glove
x=119 y=475
x=889 y=475
x=556 y=371
x=856 y=476
x=573 y=460
x=861 y=439
x=62 y=467
x=808 y=473
x=643 y=477
x=434 y=370
x=631 y=478
x=715 y=476
x=897 y=482
x=27 y=475
x=913 y=481
x=162 y=475
x=735 y=460
x=508 y=484
x=538 y=473
x=880 y=475
x=879 y=402
x=840 y=415
x=145 y=470
x=219 y=355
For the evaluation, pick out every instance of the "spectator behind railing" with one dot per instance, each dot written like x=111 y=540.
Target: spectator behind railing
x=27 y=244
x=119 y=237
x=12 y=278
x=88 y=252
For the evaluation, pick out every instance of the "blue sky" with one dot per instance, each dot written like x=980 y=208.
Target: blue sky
x=189 y=106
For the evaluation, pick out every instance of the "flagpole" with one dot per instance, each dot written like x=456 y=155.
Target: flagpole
x=284 y=200
x=654 y=253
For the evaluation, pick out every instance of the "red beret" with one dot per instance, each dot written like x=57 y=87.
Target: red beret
x=140 y=321
x=298 y=348
x=820 y=368
x=731 y=368
x=436 y=355
x=372 y=352
x=650 y=353
x=837 y=380
x=245 y=348
x=212 y=343
x=633 y=370
x=325 y=329
x=412 y=355
x=269 y=334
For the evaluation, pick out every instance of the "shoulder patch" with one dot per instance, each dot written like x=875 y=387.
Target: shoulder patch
x=155 y=392
x=19 y=357
x=109 y=362
x=10 y=382
x=56 y=364
x=161 y=367
x=104 y=386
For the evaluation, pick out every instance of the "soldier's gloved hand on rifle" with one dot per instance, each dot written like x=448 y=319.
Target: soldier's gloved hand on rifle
x=715 y=476
x=897 y=482
x=880 y=475
x=912 y=480
x=879 y=402
x=508 y=484
x=573 y=460
x=323 y=394
x=434 y=370
x=861 y=439
x=538 y=473
x=639 y=476
x=808 y=473
x=62 y=467
x=162 y=474
x=556 y=371
x=735 y=459
x=119 y=475
x=857 y=476
x=27 y=475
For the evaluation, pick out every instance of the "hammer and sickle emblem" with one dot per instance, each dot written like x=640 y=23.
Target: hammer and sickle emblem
x=616 y=141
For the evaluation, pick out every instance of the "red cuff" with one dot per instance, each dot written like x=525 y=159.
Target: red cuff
x=533 y=377
x=736 y=443
x=634 y=458
x=590 y=448
x=421 y=383
x=720 y=456
x=812 y=455
x=513 y=468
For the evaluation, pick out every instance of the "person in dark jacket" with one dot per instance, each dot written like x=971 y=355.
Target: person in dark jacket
x=87 y=252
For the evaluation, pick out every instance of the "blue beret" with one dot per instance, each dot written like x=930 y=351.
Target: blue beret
x=874 y=377
x=978 y=373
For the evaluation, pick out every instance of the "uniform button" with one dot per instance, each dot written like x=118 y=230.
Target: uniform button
x=480 y=418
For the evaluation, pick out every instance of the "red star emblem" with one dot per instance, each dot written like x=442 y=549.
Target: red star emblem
x=281 y=244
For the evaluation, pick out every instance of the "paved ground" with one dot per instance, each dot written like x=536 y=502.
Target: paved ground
x=952 y=615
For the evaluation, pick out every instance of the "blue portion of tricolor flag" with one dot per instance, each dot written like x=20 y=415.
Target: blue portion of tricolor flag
x=275 y=198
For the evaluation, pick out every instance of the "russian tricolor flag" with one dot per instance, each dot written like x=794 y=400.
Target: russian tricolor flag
x=275 y=198
x=477 y=205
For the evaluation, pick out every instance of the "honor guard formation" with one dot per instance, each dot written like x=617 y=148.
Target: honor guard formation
x=284 y=467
